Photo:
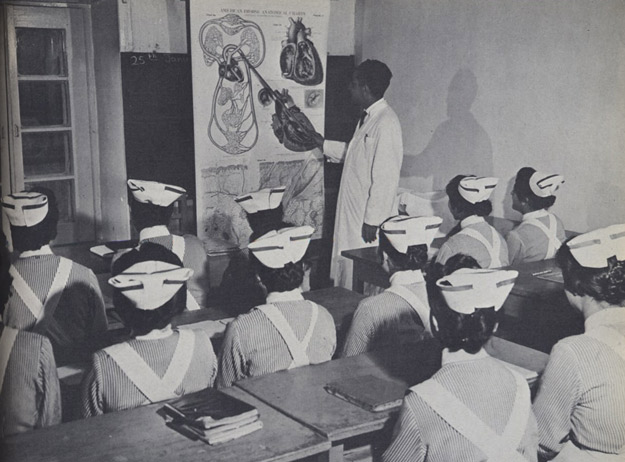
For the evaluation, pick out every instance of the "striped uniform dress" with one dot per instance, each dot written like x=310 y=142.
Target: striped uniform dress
x=106 y=388
x=387 y=320
x=482 y=384
x=79 y=318
x=581 y=393
x=252 y=346
x=528 y=242
x=194 y=257
x=30 y=395
x=493 y=256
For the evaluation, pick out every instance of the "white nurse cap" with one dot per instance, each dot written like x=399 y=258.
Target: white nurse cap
x=150 y=284
x=593 y=249
x=153 y=192
x=467 y=290
x=545 y=184
x=26 y=208
x=264 y=199
x=477 y=189
x=278 y=248
x=403 y=232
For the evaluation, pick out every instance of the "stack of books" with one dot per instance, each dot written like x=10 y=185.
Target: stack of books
x=212 y=416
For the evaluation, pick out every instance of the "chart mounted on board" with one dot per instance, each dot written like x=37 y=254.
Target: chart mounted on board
x=259 y=95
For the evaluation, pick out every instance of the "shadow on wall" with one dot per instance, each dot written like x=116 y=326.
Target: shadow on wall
x=458 y=146
x=608 y=196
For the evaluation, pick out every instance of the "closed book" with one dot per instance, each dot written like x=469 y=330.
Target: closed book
x=210 y=408
x=236 y=433
x=369 y=392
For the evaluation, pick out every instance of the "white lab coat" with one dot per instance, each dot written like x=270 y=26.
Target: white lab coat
x=369 y=183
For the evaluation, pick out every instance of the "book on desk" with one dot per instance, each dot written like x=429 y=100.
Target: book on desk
x=212 y=416
x=376 y=395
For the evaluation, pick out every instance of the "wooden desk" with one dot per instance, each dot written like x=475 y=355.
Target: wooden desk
x=299 y=393
x=528 y=284
x=81 y=254
x=140 y=434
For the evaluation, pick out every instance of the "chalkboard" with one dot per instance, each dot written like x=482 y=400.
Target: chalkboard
x=158 y=118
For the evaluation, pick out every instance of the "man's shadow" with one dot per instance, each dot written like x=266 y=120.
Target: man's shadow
x=459 y=145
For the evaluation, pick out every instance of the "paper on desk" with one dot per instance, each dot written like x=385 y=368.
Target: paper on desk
x=553 y=276
x=102 y=251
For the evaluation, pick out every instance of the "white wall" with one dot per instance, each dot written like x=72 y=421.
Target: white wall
x=549 y=78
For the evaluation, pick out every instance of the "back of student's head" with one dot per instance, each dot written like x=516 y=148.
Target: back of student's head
x=602 y=284
x=374 y=74
x=5 y=276
x=264 y=221
x=26 y=238
x=458 y=331
x=145 y=215
x=462 y=208
x=524 y=192
x=285 y=279
x=415 y=258
x=143 y=321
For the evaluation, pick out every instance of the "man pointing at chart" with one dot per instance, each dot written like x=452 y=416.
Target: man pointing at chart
x=372 y=162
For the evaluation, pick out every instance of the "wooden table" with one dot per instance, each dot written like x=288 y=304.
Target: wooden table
x=140 y=435
x=299 y=393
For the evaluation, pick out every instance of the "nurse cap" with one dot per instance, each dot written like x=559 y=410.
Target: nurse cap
x=477 y=189
x=403 y=232
x=264 y=199
x=25 y=208
x=278 y=248
x=545 y=184
x=467 y=290
x=150 y=284
x=153 y=192
x=593 y=249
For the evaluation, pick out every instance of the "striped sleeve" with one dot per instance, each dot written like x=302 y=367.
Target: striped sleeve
x=407 y=444
x=557 y=395
x=515 y=247
x=50 y=392
x=231 y=359
x=92 y=401
x=361 y=331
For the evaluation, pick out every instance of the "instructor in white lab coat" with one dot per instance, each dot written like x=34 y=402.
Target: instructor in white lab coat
x=371 y=172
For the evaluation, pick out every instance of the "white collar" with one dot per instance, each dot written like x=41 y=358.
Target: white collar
x=540 y=213
x=605 y=317
x=290 y=296
x=461 y=355
x=376 y=107
x=153 y=231
x=157 y=333
x=472 y=220
x=404 y=278
x=45 y=250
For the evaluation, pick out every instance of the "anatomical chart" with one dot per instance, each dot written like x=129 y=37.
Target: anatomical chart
x=259 y=96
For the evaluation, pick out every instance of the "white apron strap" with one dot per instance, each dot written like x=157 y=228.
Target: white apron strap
x=56 y=289
x=553 y=243
x=144 y=378
x=609 y=337
x=463 y=420
x=422 y=310
x=7 y=340
x=178 y=246
x=493 y=249
x=23 y=290
x=296 y=348
x=517 y=423
x=51 y=300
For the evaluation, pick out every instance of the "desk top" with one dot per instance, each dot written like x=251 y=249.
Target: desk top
x=531 y=284
x=338 y=419
x=140 y=434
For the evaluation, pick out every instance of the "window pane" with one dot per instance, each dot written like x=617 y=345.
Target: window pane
x=43 y=103
x=46 y=153
x=64 y=192
x=40 y=51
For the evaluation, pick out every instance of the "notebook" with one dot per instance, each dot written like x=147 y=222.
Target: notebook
x=369 y=392
x=210 y=408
